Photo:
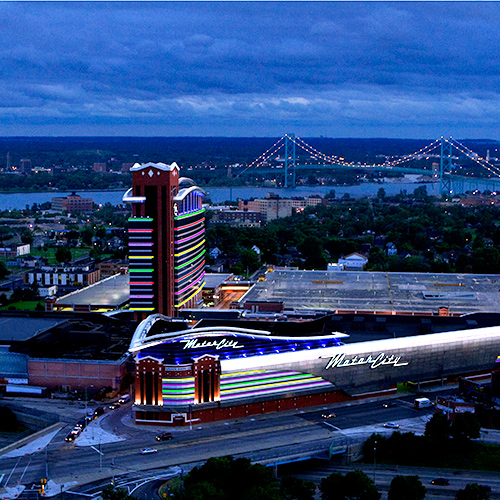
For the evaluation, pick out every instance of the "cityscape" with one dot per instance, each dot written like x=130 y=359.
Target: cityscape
x=249 y=250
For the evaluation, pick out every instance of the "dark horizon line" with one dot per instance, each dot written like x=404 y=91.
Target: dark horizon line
x=6 y=137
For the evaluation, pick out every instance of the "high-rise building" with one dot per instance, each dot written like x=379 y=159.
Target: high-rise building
x=166 y=240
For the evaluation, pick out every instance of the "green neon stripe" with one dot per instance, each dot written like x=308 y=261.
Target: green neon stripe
x=190 y=297
x=141 y=270
x=264 y=381
x=140 y=219
x=178 y=394
x=189 y=262
x=178 y=217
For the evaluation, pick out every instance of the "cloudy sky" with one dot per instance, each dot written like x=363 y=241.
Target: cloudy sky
x=338 y=69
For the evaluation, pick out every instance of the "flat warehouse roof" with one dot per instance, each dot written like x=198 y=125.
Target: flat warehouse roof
x=112 y=291
x=378 y=291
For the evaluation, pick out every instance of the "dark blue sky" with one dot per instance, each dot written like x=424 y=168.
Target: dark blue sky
x=338 y=69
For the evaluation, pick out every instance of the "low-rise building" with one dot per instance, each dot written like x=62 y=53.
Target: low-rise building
x=109 y=267
x=72 y=203
x=65 y=278
x=14 y=251
x=273 y=207
x=236 y=218
x=353 y=261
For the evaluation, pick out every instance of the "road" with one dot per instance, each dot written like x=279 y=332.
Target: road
x=267 y=438
x=383 y=476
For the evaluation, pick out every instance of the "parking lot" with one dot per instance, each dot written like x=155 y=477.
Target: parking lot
x=377 y=291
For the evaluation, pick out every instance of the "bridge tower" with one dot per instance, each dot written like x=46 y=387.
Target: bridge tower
x=446 y=166
x=289 y=157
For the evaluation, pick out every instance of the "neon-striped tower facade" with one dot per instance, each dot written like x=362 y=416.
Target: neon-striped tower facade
x=166 y=240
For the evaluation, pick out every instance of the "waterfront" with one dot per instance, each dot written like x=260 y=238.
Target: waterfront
x=11 y=201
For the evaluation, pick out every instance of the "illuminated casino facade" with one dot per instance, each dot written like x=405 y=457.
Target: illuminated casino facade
x=166 y=240
x=228 y=369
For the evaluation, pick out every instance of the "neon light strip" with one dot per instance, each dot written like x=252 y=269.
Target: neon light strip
x=140 y=219
x=141 y=296
x=187 y=275
x=169 y=402
x=140 y=230
x=142 y=282
x=190 y=285
x=191 y=296
x=142 y=308
x=278 y=384
x=140 y=257
x=178 y=217
x=270 y=390
x=199 y=221
x=190 y=237
x=264 y=383
x=245 y=380
x=190 y=249
x=189 y=262
x=171 y=395
x=141 y=270
x=140 y=244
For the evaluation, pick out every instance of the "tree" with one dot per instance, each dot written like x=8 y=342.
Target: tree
x=226 y=478
x=473 y=491
x=63 y=254
x=293 y=488
x=355 y=485
x=438 y=427
x=466 y=426
x=381 y=193
x=406 y=488
x=112 y=493
x=3 y=270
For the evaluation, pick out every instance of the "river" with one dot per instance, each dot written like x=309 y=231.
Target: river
x=13 y=201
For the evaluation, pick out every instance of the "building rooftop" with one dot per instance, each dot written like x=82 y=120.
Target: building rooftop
x=213 y=280
x=378 y=291
x=109 y=293
x=22 y=326
x=85 y=336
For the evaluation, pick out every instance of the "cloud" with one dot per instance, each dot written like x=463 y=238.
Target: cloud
x=212 y=66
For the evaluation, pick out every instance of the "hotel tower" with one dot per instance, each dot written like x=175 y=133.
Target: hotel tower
x=166 y=240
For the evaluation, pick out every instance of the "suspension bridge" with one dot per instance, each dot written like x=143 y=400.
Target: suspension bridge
x=446 y=152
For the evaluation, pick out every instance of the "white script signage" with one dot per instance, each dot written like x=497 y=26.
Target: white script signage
x=341 y=361
x=218 y=344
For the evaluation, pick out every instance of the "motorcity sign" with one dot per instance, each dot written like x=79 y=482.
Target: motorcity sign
x=372 y=361
x=218 y=344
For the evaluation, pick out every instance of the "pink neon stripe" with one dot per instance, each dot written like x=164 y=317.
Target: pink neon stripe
x=187 y=275
x=191 y=237
x=191 y=284
x=189 y=225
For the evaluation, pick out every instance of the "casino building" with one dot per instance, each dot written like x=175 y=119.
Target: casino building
x=223 y=369
x=166 y=240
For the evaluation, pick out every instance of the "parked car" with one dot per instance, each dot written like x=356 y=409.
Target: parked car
x=148 y=451
x=440 y=481
x=164 y=436
x=389 y=404
x=391 y=425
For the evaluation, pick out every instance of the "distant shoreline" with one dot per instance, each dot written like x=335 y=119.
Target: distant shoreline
x=27 y=191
